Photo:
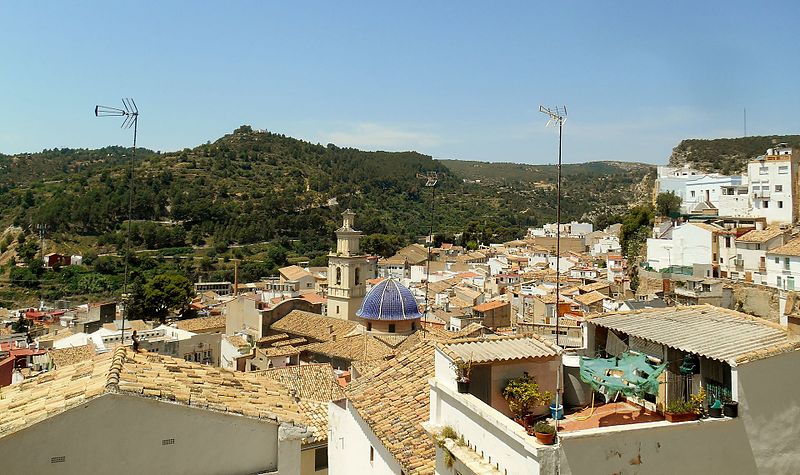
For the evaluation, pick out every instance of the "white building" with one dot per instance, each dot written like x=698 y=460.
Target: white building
x=783 y=266
x=378 y=428
x=707 y=189
x=673 y=180
x=146 y=413
x=745 y=258
x=773 y=179
x=738 y=357
x=691 y=244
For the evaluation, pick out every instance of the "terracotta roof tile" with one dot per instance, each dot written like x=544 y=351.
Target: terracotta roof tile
x=312 y=325
x=202 y=323
x=72 y=355
x=394 y=400
x=791 y=248
x=145 y=375
x=761 y=235
x=314 y=382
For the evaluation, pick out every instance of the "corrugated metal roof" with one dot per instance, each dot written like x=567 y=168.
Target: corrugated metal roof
x=499 y=349
x=713 y=332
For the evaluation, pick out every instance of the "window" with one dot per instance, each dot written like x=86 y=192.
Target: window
x=371 y=454
x=765 y=204
x=777 y=260
x=790 y=283
x=778 y=282
x=692 y=193
x=763 y=171
x=321 y=458
x=369 y=326
x=337 y=310
x=358 y=276
x=391 y=328
x=780 y=204
x=778 y=188
x=786 y=263
x=338 y=277
x=783 y=169
x=727 y=241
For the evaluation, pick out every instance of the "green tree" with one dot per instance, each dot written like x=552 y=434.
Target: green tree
x=160 y=295
x=668 y=204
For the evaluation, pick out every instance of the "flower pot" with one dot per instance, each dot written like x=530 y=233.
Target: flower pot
x=730 y=409
x=463 y=386
x=546 y=439
x=556 y=412
x=714 y=412
x=685 y=417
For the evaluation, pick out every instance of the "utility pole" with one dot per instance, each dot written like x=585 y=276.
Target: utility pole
x=131 y=115
x=235 y=276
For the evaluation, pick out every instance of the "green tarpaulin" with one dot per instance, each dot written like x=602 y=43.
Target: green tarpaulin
x=632 y=374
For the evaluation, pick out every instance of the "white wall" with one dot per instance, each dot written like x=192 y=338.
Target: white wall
x=123 y=434
x=689 y=245
x=776 y=271
x=768 y=174
x=349 y=442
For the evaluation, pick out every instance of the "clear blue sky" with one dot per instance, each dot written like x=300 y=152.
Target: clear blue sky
x=451 y=79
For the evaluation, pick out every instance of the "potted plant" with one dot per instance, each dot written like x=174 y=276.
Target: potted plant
x=545 y=433
x=680 y=411
x=523 y=395
x=715 y=410
x=730 y=408
x=463 y=369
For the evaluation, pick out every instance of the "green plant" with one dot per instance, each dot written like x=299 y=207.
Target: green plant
x=523 y=394
x=543 y=427
x=448 y=432
x=679 y=407
x=463 y=369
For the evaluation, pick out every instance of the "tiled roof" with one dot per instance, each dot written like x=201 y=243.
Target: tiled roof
x=313 y=382
x=593 y=286
x=236 y=341
x=276 y=351
x=363 y=347
x=791 y=248
x=294 y=341
x=202 y=323
x=72 y=355
x=271 y=338
x=591 y=298
x=484 y=307
x=709 y=227
x=316 y=418
x=294 y=272
x=147 y=375
x=762 y=235
x=713 y=332
x=394 y=400
x=469 y=331
x=491 y=349
x=312 y=325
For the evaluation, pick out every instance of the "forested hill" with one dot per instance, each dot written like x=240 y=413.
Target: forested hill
x=253 y=186
x=726 y=156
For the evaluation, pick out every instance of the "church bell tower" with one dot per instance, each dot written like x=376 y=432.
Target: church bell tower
x=347 y=271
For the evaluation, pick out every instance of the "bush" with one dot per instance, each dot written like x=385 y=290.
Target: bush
x=543 y=427
x=523 y=394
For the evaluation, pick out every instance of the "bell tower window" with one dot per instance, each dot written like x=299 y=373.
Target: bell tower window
x=338 y=276
x=358 y=276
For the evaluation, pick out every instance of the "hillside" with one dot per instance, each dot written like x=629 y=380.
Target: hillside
x=726 y=156
x=269 y=200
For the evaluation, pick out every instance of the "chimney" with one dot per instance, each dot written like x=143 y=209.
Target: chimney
x=759 y=225
x=333 y=337
x=330 y=329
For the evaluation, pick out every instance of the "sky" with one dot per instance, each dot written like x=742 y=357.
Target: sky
x=461 y=80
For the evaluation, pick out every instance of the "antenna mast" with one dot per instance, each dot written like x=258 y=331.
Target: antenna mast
x=431 y=180
x=131 y=119
x=557 y=116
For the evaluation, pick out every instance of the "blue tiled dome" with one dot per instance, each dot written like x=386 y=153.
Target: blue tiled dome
x=389 y=300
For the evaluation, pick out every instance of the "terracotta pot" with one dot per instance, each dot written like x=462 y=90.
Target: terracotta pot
x=463 y=386
x=546 y=439
x=689 y=416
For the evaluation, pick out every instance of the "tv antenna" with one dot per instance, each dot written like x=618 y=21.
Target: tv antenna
x=557 y=116
x=131 y=119
x=431 y=180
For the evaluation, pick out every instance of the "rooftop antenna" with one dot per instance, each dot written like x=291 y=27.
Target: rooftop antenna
x=131 y=119
x=745 y=121
x=431 y=180
x=557 y=116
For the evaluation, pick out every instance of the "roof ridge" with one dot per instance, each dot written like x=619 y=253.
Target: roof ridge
x=117 y=362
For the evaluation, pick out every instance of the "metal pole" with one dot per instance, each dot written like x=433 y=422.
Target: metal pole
x=558 y=230
x=430 y=244
x=128 y=234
